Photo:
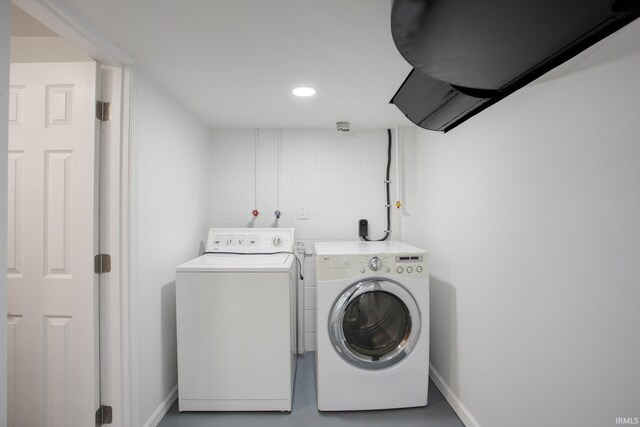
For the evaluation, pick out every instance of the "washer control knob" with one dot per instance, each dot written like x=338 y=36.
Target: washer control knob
x=277 y=240
x=419 y=269
x=362 y=270
x=409 y=269
x=375 y=263
x=240 y=241
x=399 y=269
x=388 y=270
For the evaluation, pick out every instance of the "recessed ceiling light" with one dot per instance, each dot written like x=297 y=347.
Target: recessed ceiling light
x=304 y=91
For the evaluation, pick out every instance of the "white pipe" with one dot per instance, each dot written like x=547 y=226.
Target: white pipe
x=300 y=305
x=278 y=171
x=255 y=169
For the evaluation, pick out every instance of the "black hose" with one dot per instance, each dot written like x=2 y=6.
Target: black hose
x=387 y=232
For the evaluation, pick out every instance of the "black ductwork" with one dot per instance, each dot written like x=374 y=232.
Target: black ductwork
x=468 y=55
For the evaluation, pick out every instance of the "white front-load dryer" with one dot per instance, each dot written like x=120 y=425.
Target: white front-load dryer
x=372 y=308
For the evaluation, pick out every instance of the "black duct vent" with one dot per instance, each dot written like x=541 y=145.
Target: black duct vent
x=468 y=55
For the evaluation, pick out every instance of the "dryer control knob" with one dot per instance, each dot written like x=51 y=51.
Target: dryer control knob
x=375 y=263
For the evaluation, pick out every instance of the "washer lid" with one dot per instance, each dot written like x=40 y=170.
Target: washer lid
x=230 y=262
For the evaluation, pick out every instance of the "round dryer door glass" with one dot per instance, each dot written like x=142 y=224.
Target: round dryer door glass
x=374 y=323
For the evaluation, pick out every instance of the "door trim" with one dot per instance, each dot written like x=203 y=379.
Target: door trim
x=68 y=24
x=4 y=154
x=120 y=379
x=114 y=202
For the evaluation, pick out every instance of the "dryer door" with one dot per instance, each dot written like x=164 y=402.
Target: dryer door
x=374 y=323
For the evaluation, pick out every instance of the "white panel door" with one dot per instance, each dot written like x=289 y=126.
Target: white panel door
x=52 y=290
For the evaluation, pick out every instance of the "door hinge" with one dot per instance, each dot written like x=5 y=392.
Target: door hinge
x=103 y=111
x=102 y=263
x=104 y=415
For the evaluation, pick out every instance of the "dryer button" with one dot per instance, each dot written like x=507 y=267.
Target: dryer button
x=362 y=270
x=399 y=269
x=409 y=269
x=419 y=269
x=388 y=270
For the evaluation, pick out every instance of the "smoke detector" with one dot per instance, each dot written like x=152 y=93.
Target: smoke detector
x=342 y=126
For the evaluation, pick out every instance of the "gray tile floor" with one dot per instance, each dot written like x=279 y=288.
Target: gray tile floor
x=437 y=413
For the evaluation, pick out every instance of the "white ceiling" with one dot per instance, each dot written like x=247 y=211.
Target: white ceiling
x=234 y=62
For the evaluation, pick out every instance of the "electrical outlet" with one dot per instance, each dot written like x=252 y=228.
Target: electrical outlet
x=303 y=210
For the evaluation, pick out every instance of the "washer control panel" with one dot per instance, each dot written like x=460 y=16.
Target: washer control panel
x=250 y=240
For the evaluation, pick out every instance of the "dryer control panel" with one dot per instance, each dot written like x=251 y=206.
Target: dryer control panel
x=341 y=266
x=250 y=240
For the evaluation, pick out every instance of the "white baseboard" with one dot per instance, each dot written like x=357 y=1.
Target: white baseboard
x=162 y=409
x=463 y=413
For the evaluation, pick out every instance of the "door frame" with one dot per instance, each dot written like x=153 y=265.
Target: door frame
x=4 y=154
x=119 y=364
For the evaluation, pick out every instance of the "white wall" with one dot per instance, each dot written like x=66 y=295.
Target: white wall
x=4 y=150
x=532 y=215
x=45 y=49
x=171 y=201
x=327 y=181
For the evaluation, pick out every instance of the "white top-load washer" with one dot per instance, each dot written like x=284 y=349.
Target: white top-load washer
x=372 y=308
x=236 y=322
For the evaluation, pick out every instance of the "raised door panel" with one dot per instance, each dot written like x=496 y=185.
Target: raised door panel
x=15 y=214
x=16 y=106
x=59 y=105
x=14 y=337
x=57 y=214
x=57 y=361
